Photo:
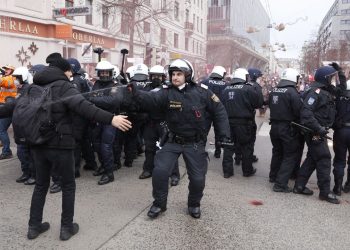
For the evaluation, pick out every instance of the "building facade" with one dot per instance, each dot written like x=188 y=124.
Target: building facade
x=166 y=30
x=334 y=31
x=229 y=24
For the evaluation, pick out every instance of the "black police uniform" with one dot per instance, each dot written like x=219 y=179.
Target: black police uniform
x=285 y=104
x=104 y=97
x=240 y=100
x=217 y=85
x=318 y=113
x=186 y=112
x=341 y=141
x=155 y=129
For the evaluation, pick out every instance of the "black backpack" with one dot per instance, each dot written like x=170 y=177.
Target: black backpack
x=32 y=120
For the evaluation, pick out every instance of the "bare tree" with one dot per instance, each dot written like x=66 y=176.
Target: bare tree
x=135 y=13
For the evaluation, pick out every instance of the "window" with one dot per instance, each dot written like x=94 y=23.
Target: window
x=176 y=40
x=186 y=43
x=88 y=18
x=105 y=15
x=187 y=16
x=194 y=21
x=163 y=4
x=125 y=24
x=162 y=36
x=345 y=12
x=345 y=21
x=197 y=23
x=146 y=27
x=176 y=10
x=201 y=25
x=147 y=2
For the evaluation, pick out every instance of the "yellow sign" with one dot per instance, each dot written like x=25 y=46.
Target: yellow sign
x=175 y=55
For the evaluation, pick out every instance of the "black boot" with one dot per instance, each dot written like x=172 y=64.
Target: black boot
x=154 y=211
x=99 y=171
x=338 y=182
x=34 y=232
x=67 y=232
x=346 y=188
x=23 y=178
x=106 y=178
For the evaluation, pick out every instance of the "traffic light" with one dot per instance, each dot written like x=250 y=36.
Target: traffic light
x=149 y=55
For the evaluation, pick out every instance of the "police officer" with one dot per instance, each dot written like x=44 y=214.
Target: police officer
x=240 y=100
x=341 y=140
x=186 y=105
x=217 y=84
x=81 y=125
x=256 y=79
x=285 y=105
x=155 y=128
x=318 y=113
x=103 y=96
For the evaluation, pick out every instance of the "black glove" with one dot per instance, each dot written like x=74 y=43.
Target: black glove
x=132 y=87
x=335 y=66
x=322 y=131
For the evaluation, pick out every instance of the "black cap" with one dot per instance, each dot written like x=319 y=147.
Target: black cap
x=62 y=64
x=52 y=57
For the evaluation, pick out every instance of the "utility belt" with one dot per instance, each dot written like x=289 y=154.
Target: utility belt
x=240 y=121
x=174 y=138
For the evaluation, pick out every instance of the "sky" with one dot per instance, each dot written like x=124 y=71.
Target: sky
x=288 y=11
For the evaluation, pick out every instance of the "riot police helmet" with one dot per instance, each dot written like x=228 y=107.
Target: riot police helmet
x=140 y=72
x=22 y=75
x=325 y=74
x=75 y=64
x=290 y=74
x=218 y=72
x=185 y=67
x=240 y=75
x=104 y=71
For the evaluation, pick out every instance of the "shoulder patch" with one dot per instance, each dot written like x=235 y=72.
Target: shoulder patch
x=318 y=90
x=311 y=101
x=204 y=86
x=215 y=98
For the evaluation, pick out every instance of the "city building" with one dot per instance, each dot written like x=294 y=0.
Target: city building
x=159 y=31
x=334 y=32
x=237 y=33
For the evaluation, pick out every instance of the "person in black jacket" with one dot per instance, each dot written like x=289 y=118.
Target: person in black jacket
x=240 y=100
x=341 y=141
x=58 y=152
x=318 y=113
x=217 y=84
x=186 y=106
x=285 y=105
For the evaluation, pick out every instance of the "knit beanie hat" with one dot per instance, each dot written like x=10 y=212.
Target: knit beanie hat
x=62 y=64
x=52 y=57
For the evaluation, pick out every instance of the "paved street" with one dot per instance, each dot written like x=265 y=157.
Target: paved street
x=114 y=216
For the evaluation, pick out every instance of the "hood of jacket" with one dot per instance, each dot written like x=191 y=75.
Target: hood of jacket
x=285 y=83
x=49 y=75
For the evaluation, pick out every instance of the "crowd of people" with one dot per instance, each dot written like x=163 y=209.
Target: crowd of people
x=165 y=114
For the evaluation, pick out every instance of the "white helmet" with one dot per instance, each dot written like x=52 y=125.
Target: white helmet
x=184 y=66
x=23 y=75
x=157 y=70
x=218 y=72
x=130 y=72
x=291 y=75
x=240 y=75
x=104 y=66
x=116 y=72
x=140 y=72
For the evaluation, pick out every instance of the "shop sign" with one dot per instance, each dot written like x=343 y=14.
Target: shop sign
x=72 y=11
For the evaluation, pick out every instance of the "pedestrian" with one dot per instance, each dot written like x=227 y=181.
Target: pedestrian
x=186 y=105
x=7 y=89
x=58 y=152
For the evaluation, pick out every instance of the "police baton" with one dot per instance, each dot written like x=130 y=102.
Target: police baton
x=309 y=130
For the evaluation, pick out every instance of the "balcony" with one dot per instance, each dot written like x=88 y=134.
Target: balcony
x=189 y=28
